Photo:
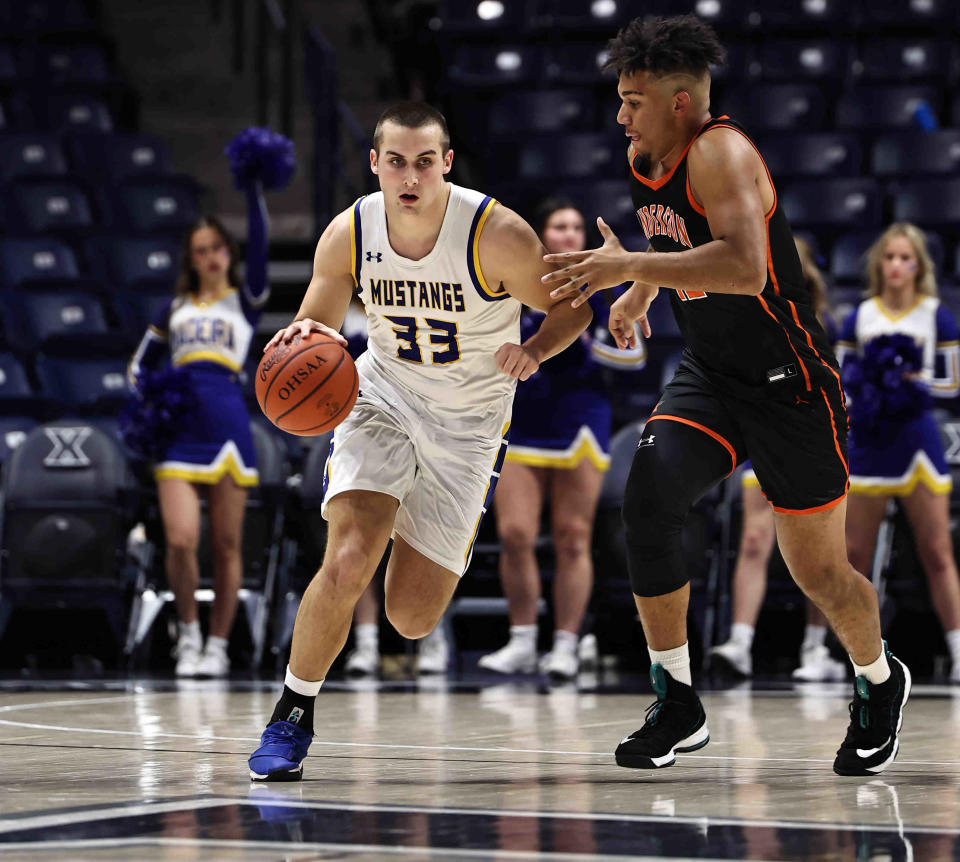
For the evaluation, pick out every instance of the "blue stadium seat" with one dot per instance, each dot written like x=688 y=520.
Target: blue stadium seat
x=726 y=15
x=812 y=155
x=49 y=205
x=884 y=107
x=844 y=300
x=13 y=431
x=59 y=320
x=905 y=59
x=900 y=15
x=132 y=263
x=577 y=63
x=575 y=15
x=572 y=156
x=819 y=16
x=138 y=310
x=44 y=17
x=75 y=112
x=119 y=156
x=542 y=111
x=930 y=202
x=493 y=65
x=24 y=154
x=798 y=59
x=75 y=63
x=836 y=204
x=83 y=384
x=475 y=19
x=159 y=206
x=848 y=257
x=24 y=261
x=607 y=198
x=916 y=152
x=14 y=383
x=775 y=106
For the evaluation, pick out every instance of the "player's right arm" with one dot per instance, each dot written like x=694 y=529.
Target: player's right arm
x=328 y=295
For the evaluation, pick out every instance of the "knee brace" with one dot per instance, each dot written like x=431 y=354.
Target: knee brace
x=669 y=474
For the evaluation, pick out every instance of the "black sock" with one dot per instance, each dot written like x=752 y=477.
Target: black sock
x=295 y=708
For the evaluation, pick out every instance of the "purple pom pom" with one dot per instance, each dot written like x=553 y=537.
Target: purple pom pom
x=152 y=415
x=261 y=155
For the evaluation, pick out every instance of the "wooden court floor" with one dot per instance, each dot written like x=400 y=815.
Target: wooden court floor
x=461 y=769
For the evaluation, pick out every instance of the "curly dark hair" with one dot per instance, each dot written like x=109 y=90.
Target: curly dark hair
x=665 y=46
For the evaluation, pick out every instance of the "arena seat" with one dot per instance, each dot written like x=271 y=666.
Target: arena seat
x=74 y=112
x=811 y=155
x=904 y=59
x=911 y=153
x=608 y=198
x=154 y=206
x=44 y=17
x=125 y=263
x=833 y=203
x=929 y=202
x=119 y=156
x=899 y=15
x=796 y=60
x=577 y=16
x=571 y=156
x=465 y=19
x=41 y=206
x=25 y=154
x=542 y=111
x=765 y=107
x=823 y=16
x=14 y=384
x=66 y=320
x=36 y=261
x=84 y=384
x=71 y=63
x=68 y=505
x=883 y=107
x=13 y=431
x=577 y=63
x=266 y=555
x=493 y=65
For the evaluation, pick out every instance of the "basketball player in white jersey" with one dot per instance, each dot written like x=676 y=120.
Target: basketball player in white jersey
x=442 y=272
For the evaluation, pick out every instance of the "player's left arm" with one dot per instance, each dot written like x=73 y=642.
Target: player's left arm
x=723 y=169
x=511 y=256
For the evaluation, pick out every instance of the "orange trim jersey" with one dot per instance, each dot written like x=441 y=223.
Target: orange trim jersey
x=752 y=346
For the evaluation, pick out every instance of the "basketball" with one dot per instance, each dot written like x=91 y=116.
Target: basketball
x=307 y=386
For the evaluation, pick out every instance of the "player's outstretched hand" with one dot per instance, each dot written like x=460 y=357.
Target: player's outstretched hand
x=515 y=361
x=583 y=273
x=630 y=308
x=301 y=328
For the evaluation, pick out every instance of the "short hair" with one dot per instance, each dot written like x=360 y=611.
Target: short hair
x=665 y=46
x=546 y=208
x=412 y=115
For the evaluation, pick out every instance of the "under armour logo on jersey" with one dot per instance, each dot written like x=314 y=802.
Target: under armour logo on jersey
x=295 y=715
x=374 y=254
x=67 y=448
x=646 y=441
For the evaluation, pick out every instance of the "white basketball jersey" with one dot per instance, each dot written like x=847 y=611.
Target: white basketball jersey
x=434 y=324
x=217 y=332
x=920 y=322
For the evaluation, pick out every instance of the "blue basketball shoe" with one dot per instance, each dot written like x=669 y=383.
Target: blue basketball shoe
x=283 y=746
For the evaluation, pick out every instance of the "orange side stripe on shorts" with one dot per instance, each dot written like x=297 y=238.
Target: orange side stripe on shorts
x=813 y=509
x=699 y=427
x=833 y=425
x=766 y=308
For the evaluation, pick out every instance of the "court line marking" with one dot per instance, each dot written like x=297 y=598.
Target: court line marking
x=408 y=747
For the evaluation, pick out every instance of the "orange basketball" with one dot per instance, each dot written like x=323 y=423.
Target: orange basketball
x=308 y=386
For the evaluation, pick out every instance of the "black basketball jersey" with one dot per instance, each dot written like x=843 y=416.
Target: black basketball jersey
x=754 y=346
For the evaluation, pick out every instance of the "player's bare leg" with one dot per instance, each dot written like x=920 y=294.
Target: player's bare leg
x=417 y=590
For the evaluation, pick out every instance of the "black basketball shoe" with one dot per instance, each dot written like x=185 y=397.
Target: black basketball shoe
x=675 y=722
x=876 y=714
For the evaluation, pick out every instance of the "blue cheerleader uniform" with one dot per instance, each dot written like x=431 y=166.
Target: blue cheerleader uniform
x=561 y=414
x=912 y=452
x=210 y=341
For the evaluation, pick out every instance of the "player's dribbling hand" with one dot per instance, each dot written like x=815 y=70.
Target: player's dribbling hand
x=515 y=361
x=583 y=273
x=301 y=328
x=631 y=308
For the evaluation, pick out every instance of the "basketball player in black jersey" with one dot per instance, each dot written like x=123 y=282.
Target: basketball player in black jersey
x=758 y=379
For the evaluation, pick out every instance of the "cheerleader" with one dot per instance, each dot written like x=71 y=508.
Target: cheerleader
x=907 y=461
x=206 y=331
x=757 y=536
x=559 y=441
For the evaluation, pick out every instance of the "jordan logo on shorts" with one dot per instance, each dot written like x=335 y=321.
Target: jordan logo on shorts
x=646 y=441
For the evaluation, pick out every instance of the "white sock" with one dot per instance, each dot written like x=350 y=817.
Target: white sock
x=525 y=636
x=742 y=635
x=565 y=641
x=308 y=688
x=367 y=635
x=215 y=643
x=876 y=672
x=675 y=662
x=190 y=631
x=814 y=636
x=953 y=644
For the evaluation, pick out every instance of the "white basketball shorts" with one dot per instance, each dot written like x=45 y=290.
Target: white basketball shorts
x=442 y=467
